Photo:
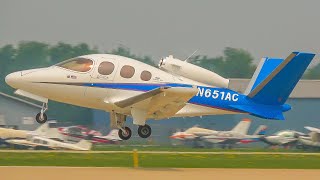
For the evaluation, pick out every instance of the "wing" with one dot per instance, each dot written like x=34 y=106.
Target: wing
x=289 y=142
x=222 y=140
x=162 y=102
x=312 y=129
x=21 y=142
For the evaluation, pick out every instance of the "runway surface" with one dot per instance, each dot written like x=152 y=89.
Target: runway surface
x=69 y=173
x=159 y=152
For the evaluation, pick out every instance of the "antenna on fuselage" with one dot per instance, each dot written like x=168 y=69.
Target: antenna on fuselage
x=191 y=55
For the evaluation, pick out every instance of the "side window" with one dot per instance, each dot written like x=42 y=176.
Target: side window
x=106 y=68
x=145 y=75
x=127 y=71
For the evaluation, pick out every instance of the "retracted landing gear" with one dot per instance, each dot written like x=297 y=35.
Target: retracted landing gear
x=144 y=131
x=41 y=117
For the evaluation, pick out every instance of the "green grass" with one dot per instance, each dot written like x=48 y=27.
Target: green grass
x=160 y=160
x=188 y=149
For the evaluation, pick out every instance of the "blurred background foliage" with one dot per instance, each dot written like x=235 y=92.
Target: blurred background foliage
x=234 y=63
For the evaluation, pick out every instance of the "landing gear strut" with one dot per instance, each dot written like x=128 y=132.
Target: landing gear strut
x=144 y=131
x=41 y=117
x=118 y=121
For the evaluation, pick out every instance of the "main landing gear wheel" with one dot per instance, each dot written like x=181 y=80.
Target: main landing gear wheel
x=125 y=135
x=41 y=118
x=144 y=131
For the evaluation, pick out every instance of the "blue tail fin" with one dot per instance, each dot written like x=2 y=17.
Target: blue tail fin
x=265 y=67
x=275 y=79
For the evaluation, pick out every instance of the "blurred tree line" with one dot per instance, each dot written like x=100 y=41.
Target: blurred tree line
x=235 y=63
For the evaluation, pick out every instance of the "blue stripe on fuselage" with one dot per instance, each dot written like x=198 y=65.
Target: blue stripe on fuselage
x=219 y=98
x=134 y=86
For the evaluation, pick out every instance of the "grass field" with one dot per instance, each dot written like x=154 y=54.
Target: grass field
x=189 y=149
x=161 y=160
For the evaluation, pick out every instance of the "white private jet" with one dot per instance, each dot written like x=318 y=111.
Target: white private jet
x=284 y=138
x=126 y=87
x=241 y=128
x=239 y=134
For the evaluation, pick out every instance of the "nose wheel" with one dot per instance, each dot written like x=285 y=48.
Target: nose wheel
x=144 y=131
x=41 y=117
x=125 y=133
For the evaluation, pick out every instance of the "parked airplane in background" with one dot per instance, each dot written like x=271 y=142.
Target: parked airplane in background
x=194 y=132
x=48 y=130
x=126 y=87
x=284 y=138
x=226 y=138
x=311 y=141
x=229 y=139
x=112 y=137
x=38 y=142
x=189 y=134
x=76 y=133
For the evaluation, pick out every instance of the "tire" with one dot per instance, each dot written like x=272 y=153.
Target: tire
x=125 y=136
x=39 y=120
x=144 y=131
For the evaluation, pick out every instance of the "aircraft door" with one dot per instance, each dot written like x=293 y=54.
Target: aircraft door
x=101 y=78
x=104 y=71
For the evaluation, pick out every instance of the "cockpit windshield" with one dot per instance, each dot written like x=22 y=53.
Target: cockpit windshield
x=77 y=64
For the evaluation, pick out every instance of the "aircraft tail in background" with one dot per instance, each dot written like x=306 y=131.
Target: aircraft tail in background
x=261 y=130
x=42 y=129
x=242 y=127
x=84 y=144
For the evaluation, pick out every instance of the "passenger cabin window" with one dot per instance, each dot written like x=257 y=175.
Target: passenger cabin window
x=127 y=71
x=145 y=75
x=106 y=68
x=77 y=64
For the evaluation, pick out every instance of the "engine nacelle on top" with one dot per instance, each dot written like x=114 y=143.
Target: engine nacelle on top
x=191 y=71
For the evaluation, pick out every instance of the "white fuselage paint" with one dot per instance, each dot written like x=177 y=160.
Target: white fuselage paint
x=50 y=83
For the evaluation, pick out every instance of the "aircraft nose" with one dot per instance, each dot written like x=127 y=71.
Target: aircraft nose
x=13 y=79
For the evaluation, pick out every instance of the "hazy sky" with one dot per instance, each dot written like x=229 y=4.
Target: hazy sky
x=163 y=27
